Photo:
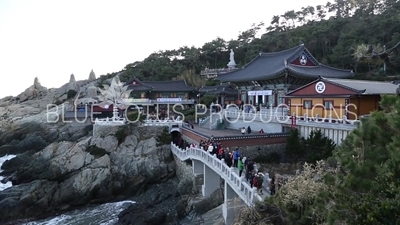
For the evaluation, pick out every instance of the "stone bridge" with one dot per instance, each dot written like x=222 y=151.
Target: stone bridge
x=237 y=192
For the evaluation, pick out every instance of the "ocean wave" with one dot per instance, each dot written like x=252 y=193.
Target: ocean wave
x=105 y=214
x=2 y=160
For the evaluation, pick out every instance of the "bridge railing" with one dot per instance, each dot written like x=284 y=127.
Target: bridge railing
x=238 y=184
x=280 y=117
x=162 y=122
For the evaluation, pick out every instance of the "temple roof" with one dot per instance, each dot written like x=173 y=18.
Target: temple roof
x=137 y=85
x=298 y=61
x=168 y=86
x=173 y=86
x=358 y=87
x=223 y=88
x=365 y=87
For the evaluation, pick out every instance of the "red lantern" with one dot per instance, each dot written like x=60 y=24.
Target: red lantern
x=293 y=122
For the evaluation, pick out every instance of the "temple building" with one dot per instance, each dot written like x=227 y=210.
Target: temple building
x=225 y=93
x=267 y=78
x=329 y=98
x=160 y=92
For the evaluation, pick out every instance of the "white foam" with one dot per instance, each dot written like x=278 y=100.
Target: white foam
x=105 y=214
x=2 y=160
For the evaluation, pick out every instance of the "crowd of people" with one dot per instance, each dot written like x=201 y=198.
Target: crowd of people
x=233 y=158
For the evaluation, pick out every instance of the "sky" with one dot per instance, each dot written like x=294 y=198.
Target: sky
x=52 y=39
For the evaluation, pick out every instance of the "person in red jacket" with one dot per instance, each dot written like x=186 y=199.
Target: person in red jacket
x=255 y=181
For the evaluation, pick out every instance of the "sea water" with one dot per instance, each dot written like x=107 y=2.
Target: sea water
x=105 y=214
x=2 y=160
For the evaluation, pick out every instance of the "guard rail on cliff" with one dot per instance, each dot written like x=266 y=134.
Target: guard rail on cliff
x=238 y=184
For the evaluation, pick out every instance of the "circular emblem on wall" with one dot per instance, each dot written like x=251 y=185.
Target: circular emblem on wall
x=303 y=59
x=320 y=87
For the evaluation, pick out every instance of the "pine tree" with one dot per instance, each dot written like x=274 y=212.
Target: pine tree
x=368 y=187
x=318 y=147
x=364 y=186
x=164 y=137
x=294 y=148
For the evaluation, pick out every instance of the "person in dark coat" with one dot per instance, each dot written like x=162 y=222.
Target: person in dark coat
x=248 y=130
x=249 y=168
x=252 y=179
x=272 y=186
x=227 y=157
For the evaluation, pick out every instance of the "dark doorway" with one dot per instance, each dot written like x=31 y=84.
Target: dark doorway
x=176 y=138
x=260 y=100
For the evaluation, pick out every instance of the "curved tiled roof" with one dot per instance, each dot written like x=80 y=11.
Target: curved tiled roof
x=270 y=65
x=138 y=86
x=361 y=87
x=320 y=70
x=365 y=87
x=265 y=65
x=173 y=85
x=223 y=88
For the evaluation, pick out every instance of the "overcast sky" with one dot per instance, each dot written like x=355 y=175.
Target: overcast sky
x=51 y=39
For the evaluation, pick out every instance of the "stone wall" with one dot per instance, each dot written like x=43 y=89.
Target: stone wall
x=187 y=180
x=191 y=135
x=261 y=151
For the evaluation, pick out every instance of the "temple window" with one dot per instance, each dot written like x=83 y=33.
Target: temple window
x=181 y=95
x=307 y=104
x=328 y=104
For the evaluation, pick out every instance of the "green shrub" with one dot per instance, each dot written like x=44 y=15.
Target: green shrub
x=164 y=137
x=71 y=94
x=208 y=99
x=272 y=158
x=135 y=116
x=120 y=135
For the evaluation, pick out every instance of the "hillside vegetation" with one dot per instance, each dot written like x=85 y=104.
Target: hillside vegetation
x=358 y=184
x=344 y=34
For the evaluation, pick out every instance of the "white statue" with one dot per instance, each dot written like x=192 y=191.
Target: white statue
x=232 y=63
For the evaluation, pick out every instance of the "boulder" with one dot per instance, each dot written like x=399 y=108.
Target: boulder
x=36 y=90
x=29 y=199
x=154 y=206
x=7 y=150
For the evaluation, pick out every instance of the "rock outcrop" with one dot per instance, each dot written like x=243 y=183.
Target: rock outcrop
x=34 y=91
x=36 y=131
x=72 y=85
x=92 y=76
x=69 y=174
x=91 y=91
x=166 y=204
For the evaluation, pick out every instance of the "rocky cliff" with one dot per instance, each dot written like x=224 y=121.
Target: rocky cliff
x=60 y=166
x=92 y=170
